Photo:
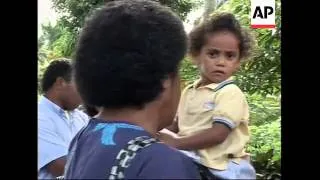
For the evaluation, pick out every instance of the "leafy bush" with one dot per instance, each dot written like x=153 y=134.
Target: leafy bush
x=188 y=72
x=263 y=109
x=73 y=13
x=265 y=148
x=265 y=144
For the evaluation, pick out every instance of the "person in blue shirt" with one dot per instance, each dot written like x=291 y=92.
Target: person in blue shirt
x=126 y=63
x=58 y=119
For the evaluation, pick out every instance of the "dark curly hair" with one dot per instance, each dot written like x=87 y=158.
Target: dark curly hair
x=57 y=68
x=217 y=23
x=125 y=51
x=90 y=110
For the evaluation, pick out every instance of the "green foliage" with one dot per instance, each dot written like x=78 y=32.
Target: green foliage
x=74 y=12
x=265 y=147
x=263 y=109
x=57 y=39
x=181 y=7
x=63 y=46
x=45 y=56
x=265 y=144
x=188 y=72
x=50 y=35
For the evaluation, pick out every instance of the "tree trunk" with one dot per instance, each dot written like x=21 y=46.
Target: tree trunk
x=209 y=7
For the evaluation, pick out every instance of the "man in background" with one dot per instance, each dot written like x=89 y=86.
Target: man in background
x=58 y=118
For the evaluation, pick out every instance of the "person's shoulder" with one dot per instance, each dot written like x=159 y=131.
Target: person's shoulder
x=186 y=89
x=42 y=108
x=46 y=111
x=160 y=147
x=189 y=86
x=232 y=89
x=45 y=115
x=81 y=115
x=162 y=152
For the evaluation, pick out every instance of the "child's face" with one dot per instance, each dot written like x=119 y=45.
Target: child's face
x=219 y=58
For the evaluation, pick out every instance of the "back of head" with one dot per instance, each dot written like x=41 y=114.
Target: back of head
x=125 y=51
x=57 y=68
x=90 y=110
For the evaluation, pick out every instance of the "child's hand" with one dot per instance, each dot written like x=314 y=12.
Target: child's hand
x=168 y=139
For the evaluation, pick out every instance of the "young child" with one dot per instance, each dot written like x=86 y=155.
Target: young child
x=213 y=114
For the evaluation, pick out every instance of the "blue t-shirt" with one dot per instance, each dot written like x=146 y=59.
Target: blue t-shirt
x=101 y=141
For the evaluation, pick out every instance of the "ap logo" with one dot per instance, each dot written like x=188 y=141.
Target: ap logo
x=263 y=14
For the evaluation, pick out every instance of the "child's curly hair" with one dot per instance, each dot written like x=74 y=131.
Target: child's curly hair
x=220 y=22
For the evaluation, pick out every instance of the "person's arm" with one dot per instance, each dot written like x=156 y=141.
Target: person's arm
x=56 y=167
x=174 y=126
x=204 y=139
x=52 y=150
x=230 y=111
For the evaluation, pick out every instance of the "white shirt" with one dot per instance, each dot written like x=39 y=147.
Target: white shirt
x=55 y=131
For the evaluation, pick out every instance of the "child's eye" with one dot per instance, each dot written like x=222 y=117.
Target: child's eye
x=213 y=54
x=230 y=55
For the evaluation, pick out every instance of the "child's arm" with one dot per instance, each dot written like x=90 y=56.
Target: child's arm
x=207 y=138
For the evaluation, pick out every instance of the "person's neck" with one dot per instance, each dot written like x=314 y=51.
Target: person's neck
x=203 y=82
x=51 y=95
x=145 y=118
